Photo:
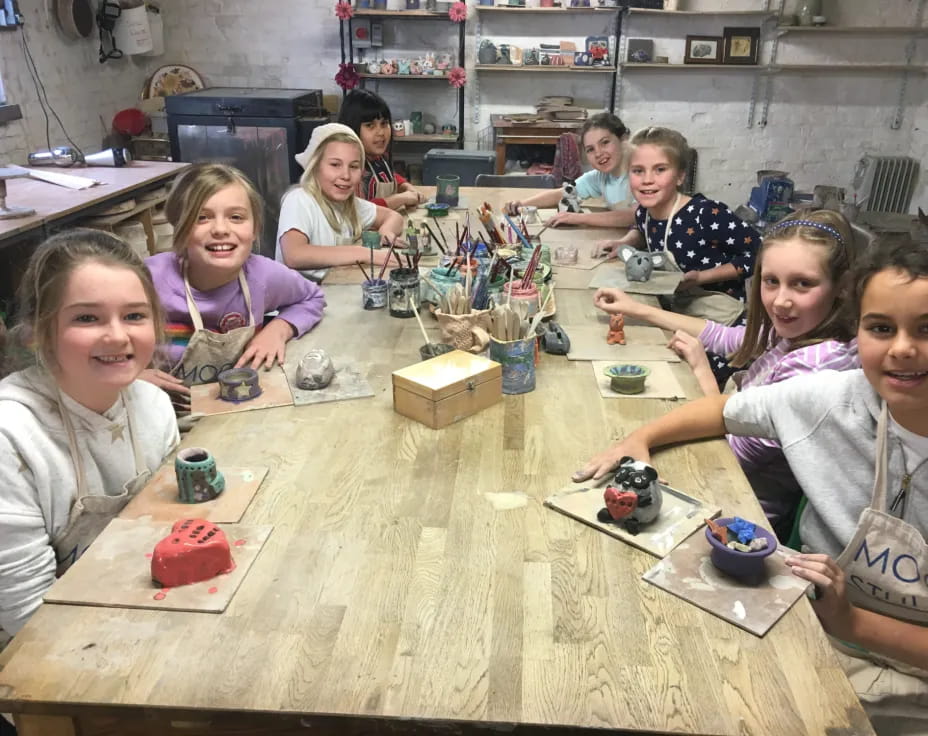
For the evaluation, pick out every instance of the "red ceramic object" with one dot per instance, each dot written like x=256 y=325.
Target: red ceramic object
x=620 y=503
x=130 y=121
x=195 y=550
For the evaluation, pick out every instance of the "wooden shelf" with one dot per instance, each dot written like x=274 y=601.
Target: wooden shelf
x=422 y=77
x=371 y=13
x=687 y=13
x=541 y=11
x=426 y=138
x=893 y=30
x=545 y=68
x=847 y=68
x=695 y=67
x=117 y=217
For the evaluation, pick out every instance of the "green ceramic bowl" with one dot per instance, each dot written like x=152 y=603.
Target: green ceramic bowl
x=626 y=378
x=437 y=209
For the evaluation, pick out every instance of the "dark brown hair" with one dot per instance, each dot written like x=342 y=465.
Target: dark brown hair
x=888 y=252
x=839 y=259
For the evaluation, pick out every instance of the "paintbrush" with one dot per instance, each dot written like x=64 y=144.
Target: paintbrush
x=432 y=234
x=389 y=255
x=440 y=232
x=419 y=320
x=518 y=232
x=536 y=320
x=366 y=277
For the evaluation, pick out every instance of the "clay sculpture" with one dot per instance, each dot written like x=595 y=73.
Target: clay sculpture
x=198 y=479
x=635 y=497
x=195 y=550
x=616 y=334
x=570 y=201
x=239 y=384
x=639 y=264
x=315 y=370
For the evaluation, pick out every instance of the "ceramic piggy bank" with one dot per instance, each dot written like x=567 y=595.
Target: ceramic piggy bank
x=634 y=498
x=388 y=67
x=570 y=201
x=639 y=264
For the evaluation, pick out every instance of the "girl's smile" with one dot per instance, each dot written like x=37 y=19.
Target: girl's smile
x=654 y=180
x=795 y=290
x=376 y=136
x=604 y=150
x=339 y=171
x=221 y=239
x=893 y=344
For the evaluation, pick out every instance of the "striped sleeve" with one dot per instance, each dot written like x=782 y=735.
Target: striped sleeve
x=721 y=340
x=829 y=355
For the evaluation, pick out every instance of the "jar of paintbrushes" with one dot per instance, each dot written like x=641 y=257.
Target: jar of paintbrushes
x=513 y=345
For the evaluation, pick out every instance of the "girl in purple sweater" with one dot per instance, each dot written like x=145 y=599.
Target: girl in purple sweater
x=797 y=323
x=215 y=291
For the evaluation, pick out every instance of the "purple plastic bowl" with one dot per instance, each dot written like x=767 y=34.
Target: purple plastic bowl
x=748 y=566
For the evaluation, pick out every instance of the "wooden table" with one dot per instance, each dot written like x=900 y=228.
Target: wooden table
x=394 y=597
x=57 y=205
x=544 y=132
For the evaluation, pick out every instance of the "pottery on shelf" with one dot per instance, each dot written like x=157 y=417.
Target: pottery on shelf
x=315 y=370
x=627 y=378
x=745 y=566
x=239 y=384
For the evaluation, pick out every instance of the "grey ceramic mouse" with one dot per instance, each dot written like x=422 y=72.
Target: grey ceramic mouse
x=640 y=263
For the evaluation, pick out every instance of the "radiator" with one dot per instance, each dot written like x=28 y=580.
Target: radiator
x=885 y=183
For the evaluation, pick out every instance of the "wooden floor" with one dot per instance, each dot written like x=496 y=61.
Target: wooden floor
x=414 y=582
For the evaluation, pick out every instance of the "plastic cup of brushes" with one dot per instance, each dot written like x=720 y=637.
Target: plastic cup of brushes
x=374 y=294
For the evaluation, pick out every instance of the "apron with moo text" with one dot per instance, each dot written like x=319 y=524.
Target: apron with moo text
x=91 y=513
x=696 y=301
x=210 y=353
x=885 y=565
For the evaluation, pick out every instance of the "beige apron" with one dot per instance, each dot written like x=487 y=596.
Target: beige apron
x=695 y=301
x=383 y=189
x=885 y=565
x=209 y=353
x=91 y=513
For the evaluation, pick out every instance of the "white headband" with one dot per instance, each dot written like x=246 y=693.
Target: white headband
x=321 y=135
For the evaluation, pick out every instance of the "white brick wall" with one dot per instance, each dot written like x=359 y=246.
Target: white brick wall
x=819 y=124
x=79 y=87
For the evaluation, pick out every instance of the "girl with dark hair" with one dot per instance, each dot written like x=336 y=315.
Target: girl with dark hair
x=369 y=117
x=604 y=140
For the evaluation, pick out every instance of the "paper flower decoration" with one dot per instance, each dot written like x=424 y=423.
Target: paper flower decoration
x=343 y=10
x=347 y=76
x=457 y=77
x=458 y=12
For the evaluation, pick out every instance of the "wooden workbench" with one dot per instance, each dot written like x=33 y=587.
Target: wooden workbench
x=58 y=205
x=544 y=132
x=394 y=597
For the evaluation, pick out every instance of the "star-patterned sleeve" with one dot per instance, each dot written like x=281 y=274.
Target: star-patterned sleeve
x=735 y=240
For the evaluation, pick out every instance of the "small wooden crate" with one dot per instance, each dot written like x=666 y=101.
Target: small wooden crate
x=443 y=390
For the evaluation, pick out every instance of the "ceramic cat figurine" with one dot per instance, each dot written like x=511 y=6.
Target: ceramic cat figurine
x=570 y=202
x=639 y=264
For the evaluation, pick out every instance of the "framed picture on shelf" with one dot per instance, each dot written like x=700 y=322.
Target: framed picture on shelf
x=741 y=45
x=703 y=50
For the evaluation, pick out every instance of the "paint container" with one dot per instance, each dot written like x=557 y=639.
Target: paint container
x=198 y=479
x=404 y=287
x=517 y=357
x=443 y=282
x=374 y=294
x=528 y=295
x=446 y=191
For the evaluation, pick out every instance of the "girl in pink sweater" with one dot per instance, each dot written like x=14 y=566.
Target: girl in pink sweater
x=797 y=323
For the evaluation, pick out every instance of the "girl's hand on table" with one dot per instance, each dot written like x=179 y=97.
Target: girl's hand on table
x=689 y=348
x=606 y=249
x=608 y=460
x=614 y=301
x=171 y=385
x=563 y=218
x=268 y=346
x=691 y=279
x=831 y=605
x=512 y=208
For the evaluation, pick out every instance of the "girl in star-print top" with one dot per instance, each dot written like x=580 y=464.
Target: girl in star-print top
x=713 y=248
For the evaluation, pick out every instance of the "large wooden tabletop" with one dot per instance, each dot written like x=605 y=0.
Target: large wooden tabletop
x=53 y=203
x=394 y=596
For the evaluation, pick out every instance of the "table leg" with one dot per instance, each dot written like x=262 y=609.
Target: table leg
x=500 y=157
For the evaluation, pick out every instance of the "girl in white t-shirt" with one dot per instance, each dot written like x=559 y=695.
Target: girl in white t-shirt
x=322 y=218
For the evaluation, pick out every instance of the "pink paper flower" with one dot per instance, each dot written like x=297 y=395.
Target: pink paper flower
x=458 y=12
x=347 y=76
x=343 y=10
x=457 y=76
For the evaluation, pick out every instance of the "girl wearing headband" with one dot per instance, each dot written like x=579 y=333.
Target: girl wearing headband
x=796 y=323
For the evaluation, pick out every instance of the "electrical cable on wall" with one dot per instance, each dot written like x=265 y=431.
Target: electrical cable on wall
x=43 y=95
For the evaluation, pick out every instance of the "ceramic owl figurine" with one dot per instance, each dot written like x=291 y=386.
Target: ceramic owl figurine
x=639 y=264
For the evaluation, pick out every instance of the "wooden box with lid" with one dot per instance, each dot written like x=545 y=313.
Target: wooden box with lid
x=446 y=389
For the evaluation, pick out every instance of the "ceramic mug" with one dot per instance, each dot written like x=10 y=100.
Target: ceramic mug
x=371 y=239
x=198 y=479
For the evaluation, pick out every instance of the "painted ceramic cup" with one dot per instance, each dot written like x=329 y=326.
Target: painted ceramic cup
x=371 y=239
x=374 y=294
x=627 y=379
x=746 y=566
x=198 y=479
x=517 y=358
x=447 y=188
x=239 y=384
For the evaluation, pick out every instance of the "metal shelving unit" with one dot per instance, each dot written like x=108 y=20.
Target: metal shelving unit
x=411 y=15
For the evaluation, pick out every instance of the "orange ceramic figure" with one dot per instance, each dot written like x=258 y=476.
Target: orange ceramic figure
x=616 y=334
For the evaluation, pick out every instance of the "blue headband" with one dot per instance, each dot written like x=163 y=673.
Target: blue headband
x=807 y=223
